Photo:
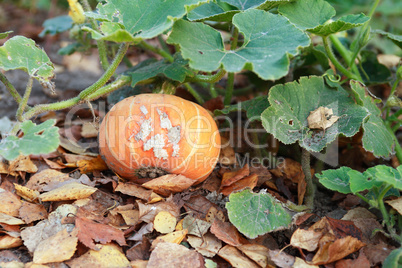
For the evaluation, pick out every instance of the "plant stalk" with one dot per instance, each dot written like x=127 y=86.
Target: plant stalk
x=195 y=94
x=230 y=81
x=346 y=54
x=24 y=101
x=363 y=30
x=157 y=50
x=310 y=191
x=100 y=43
x=206 y=78
x=109 y=72
x=14 y=93
x=335 y=61
x=38 y=109
x=381 y=205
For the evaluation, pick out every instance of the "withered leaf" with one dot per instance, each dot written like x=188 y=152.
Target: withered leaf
x=57 y=248
x=173 y=255
x=70 y=191
x=321 y=118
x=109 y=254
x=90 y=232
x=229 y=178
x=235 y=257
x=170 y=183
x=226 y=232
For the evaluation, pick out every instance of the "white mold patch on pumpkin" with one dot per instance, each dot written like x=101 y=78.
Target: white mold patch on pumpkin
x=174 y=134
x=164 y=118
x=144 y=110
x=145 y=129
x=156 y=143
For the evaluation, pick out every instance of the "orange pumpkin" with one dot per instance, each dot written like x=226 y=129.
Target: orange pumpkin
x=159 y=132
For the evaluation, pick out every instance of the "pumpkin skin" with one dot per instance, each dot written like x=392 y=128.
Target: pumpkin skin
x=162 y=131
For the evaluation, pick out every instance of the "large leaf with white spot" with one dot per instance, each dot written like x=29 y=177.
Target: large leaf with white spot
x=268 y=39
x=22 y=53
x=225 y=10
x=373 y=125
x=36 y=139
x=255 y=214
x=314 y=16
x=127 y=21
x=292 y=103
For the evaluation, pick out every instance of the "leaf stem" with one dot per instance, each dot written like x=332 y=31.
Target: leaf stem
x=207 y=78
x=362 y=197
x=230 y=81
x=398 y=148
x=24 y=101
x=100 y=43
x=381 y=205
x=212 y=90
x=361 y=32
x=157 y=50
x=118 y=83
x=195 y=94
x=310 y=191
x=335 y=61
x=345 y=53
x=108 y=73
x=14 y=93
x=393 y=89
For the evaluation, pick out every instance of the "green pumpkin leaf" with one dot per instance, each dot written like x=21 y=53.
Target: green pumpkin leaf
x=373 y=125
x=36 y=139
x=255 y=214
x=253 y=108
x=394 y=259
x=292 y=103
x=56 y=25
x=336 y=179
x=5 y=34
x=389 y=175
x=268 y=39
x=225 y=10
x=377 y=73
x=124 y=21
x=313 y=16
x=397 y=39
x=22 y=53
x=362 y=181
x=176 y=70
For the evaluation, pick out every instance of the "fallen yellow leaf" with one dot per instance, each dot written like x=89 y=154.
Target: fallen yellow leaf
x=164 y=222
x=70 y=191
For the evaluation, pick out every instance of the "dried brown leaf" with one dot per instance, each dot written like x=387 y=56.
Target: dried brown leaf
x=229 y=178
x=45 y=179
x=173 y=255
x=247 y=182
x=226 y=232
x=57 y=248
x=235 y=257
x=32 y=212
x=10 y=203
x=90 y=232
x=306 y=239
x=208 y=245
x=7 y=241
x=109 y=254
x=26 y=193
x=22 y=163
x=70 y=191
x=257 y=253
x=170 y=183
